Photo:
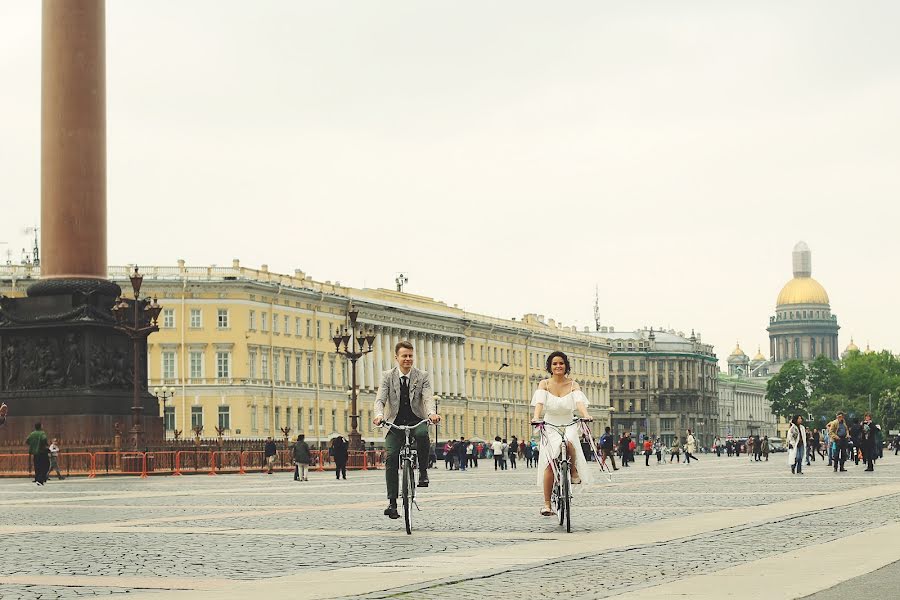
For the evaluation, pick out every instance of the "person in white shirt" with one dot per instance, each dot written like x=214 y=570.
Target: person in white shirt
x=497 y=448
x=54 y=459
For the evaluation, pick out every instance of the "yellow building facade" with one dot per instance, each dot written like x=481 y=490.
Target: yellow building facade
x=250 y=351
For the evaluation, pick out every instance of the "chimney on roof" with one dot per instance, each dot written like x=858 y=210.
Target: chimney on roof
x=235 y=263
x=264 y=268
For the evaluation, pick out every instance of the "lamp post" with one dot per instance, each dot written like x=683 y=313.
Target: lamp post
x=437 y=409
x=138 y=325
x=750 y=423
x=356 y=344
x=164 y=393
x=505 y=404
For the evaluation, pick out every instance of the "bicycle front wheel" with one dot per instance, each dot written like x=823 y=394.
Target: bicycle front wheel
x=564 y=497
x=409 y=486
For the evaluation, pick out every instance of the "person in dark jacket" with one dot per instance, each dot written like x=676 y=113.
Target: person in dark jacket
x=339 y=453
x=624 y=442
x=302 y=457
x=513 y=452
x=270 y=453
x=461 y=455
x=855 y=439
x=867 y=436
x=606 y=444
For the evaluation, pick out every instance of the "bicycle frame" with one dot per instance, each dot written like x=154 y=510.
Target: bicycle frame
x=408 y=461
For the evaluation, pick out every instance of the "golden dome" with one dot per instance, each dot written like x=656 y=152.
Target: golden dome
x=738 y=352
x=851 y=347
x=802 y=290
x=759 y=356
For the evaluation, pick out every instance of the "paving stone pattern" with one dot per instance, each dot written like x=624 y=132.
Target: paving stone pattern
x=127 y=527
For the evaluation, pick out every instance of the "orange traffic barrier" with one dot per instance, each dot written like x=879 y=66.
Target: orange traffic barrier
x=196 y=461
x=15 y=464
x=76 y=463
x=228 y=461
x=162 y=462
x=120 y=463
x=357 y=460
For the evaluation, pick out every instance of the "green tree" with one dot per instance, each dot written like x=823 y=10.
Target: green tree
x=787 y=391
x=823 y=377
x=887 y=412
x=824 y=407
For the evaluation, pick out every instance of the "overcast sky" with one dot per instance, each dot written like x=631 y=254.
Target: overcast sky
x=508 y=156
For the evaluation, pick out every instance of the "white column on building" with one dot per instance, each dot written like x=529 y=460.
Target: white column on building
x=445 y=364
x=461 y=366
x=378 y=356
x=421 y=351
x=388 y=355
x=438 y=367
x=429 y=357
x=373 y=373
x=454 y=370
x=361 y=370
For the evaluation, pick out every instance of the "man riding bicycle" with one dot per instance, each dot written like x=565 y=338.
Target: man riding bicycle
x=405 y=397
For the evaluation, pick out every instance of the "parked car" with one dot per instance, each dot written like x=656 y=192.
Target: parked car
x=776 y=445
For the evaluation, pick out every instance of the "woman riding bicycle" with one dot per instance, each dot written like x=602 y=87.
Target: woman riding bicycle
x=555 y=400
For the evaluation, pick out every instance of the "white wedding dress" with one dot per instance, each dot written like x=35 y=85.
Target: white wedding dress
x=558 y=411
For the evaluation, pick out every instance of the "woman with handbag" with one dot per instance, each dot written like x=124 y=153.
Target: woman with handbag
x=796 y=440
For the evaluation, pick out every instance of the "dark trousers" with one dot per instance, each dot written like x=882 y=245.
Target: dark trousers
x=512 y=461
x=340 y=467
x=610 y=455
x=647 y=458
x=499 y=462
x=840 y=454
x=392 y=444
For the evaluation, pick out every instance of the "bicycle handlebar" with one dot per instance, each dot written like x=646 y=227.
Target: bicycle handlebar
x=403 y=427
x=575 y=420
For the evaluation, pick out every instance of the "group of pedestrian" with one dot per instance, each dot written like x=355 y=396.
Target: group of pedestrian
x=44 y=455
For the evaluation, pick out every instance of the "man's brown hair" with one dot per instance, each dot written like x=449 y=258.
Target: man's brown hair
x=402 y=344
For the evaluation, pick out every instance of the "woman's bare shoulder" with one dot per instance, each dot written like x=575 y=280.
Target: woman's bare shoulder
x=544 y=384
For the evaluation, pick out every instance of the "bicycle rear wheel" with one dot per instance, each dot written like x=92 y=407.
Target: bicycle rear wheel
x=564 y=497
x=409 y=486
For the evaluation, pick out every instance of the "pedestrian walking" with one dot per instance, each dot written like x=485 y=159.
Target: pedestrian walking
x=448 y=456
x=54 y=459
x=624 y=442
x=648 y=451
x=675 y=451
x=765 y=448
x=339 y=449
x=42 y=462
x=497 y=448
x=867 y=437
x=470 y=454
x=690 y=446
x=301 y=459
x=796 y=440
x=607 y=450
x=658 y=448
x=462 y=456
x=33 y=441
x=529 y=455
x=717 y=446
x=513 y=451
x=271 y=451
x=839 y=433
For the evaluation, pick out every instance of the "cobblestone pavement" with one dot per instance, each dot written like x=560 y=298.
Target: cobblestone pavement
x=113 y=536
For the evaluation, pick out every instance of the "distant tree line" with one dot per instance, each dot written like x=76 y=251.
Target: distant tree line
x=861 y=382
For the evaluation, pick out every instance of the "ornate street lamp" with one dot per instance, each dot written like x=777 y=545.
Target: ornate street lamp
x=437 y=409
x=164 y=393
x=505 y=405
x=356 y=344
x=137 y=318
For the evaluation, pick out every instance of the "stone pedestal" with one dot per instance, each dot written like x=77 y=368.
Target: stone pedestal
x=62 y=363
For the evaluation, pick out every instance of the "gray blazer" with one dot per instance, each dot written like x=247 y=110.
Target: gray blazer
x=421 y=395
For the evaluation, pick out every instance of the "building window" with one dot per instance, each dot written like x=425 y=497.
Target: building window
x=222 y=318
x=299 y=419
x=265 y=365
x=265 y=418
x=253 y=320
x=321 y=417
x=332 y=372
x=225 y=418
x=254 y=423
x=168 y=365
x=196 y=364
x=309 y=378
x=196 y=417
x=276 y=367
x=287 y=325
x=264 y=322
x=287 y=417
x=277 y=418
x=297 y=329
x=274 y=323
x=169 y=418
x=309 y=422
x=287 y=368
x=319 y=371
x=168 y=318
x=196 y=318
x=253 y=364
x=298 y=369
x=333 y=420
x=319 y=330
x=309 y=328
x=223 y=365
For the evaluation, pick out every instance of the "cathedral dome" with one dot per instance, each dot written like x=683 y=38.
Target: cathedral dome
x=851 y=347
x=759 y=356
x=737 y=354
x=802 y=290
